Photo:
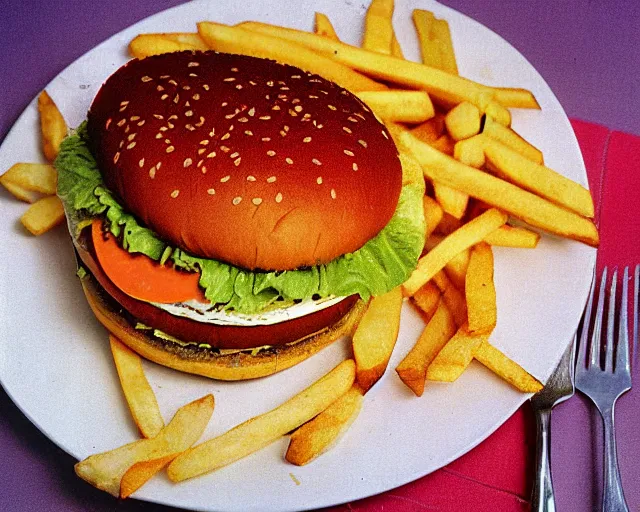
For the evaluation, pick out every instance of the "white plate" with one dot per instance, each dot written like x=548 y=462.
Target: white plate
x=54 y=357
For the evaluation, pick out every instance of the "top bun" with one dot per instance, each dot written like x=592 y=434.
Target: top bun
x=257 y=164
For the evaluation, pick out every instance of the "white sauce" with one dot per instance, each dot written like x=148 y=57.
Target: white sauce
x=198 y=311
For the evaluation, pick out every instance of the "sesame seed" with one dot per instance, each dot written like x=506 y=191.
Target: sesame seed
x=201 y=151
x=122 y=109
x=200 y=162
x=293 y=113
x=205 y=87
x=141 y=122
x=173 y=82
x=362 y=143
x=251 y=112
x=225 y=179
x=295 y=76
x=106 y=126
x=163 y=128
x=257 y=201
x=248 y=132
x=170 y=149
x=196 y=97
x=187 y=162
x=200 y=122
x=121 y=144
x=265 y=118
x=265 y=139
x=211 y=155
x=385 y=134
x=164 y=96
x=352 y=119
x=238 y=86
x=288 y=160
x=160 y=88
x=348 y=153
x=278 y=197
x=186 y=88
x=121 y=122
x=333 y=193
x=306 y=139
x=233 y=155
x=170 y=125
x=235 y=70
x=131 y=146
x=319 y=126
x=159 y=135
x=298 y=108
x=211 y=191
x=158 y=165
x=270 y=83
x=188 y=113
x=225 y=136
x=284 y=88
x=324 y=92
x=204 y=142
x=127 y=128
x=231 y=128
x=236 y=200
x=313 y=96
x=243 y=120
x=141 y=162
x=275 y=107
x=134 y=118
x=212 y=132
x=152 y=172
x=189 y=127
x=224 y=148
x=332 y=107
x=283 y=133
x=355 y=166
x=193 y=64
x=175 y=193
x=164 y=76
x=204 y=170
x=306 y=117
x=167 y=141
x=271 y=179
x=252 y=82
x=187 y=104
x=271 y=153
x=176 y=99
x=282 y=96
x=131 y=137
x=295 y=100
x=319 y=180
x=158 y=116
x=316 y=161
x=146 y=79
x=116 y=157
x=348 y=130
x=230 y=79
x=360 y=116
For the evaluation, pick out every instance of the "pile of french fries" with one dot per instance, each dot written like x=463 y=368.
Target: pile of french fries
x=452 y=133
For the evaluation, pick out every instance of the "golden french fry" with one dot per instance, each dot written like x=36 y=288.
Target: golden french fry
x=396 y=49
x=471 y=151
x=456 y=355
x=137 y=391
x=324 y=27
x=448 y=224
x=258 y=432
x=41 y=178
x=28 y=196
x=412 y=370
x=456 y=267
x=140 y=473
x=463 y=121
x=469 y=234
x=537 y=178
x=515 y=98
x=524 y=205
x=510 y=138
x=376 y=336
x=435 y=41
x=432 y=214
x=495 y=110
x=506 y=368
x=247 y=42
x=105 y=470
x=53 y=126
x=427 y=299
x=510 y=236
x=480 y=290
x=378 y=30
x=43 y=215
x=321 y=433
x=445 y=144
x=446 y=87
x=399 y=106
x=145 y=45
x=452 y=297
x=451 y=200
x=430 y=130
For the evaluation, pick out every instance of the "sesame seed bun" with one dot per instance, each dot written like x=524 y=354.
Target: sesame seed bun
x=243 y=160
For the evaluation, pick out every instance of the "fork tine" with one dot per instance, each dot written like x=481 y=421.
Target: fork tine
x=611 y=321
x=597 y=327
x=586 y=321
x=622 y=354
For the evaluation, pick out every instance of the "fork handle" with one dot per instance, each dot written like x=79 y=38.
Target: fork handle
x=542 y=499
x=613 y=495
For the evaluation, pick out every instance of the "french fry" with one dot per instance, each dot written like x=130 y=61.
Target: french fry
x=456 y=355
x=53 y=126
x=456 y=267
x=247 y=42
x=43 y=215
x=506 y=368
x=451 y=200
x=445 y=144
x=524 y=205
x=427 y=299
x=375 y=337
x=469 y=234
x=137 y=391
x=510 y=236
x=321 y=433
x=396 y=49
x=412 y=370
x=448 y=224
x=28 y=196
x=258 y=432
x=515 y=98
x=324 y=27
x=463 y=121
x=480 y=290
x=452 y=297
x=537 y=178
x=41 y=178
x=492 y=108
x=378 y=30
x=145 y=45
x=430 y=130
x=471 y=151
x=105 y=470
x=399 y=106
x=140 y=473
x=446 y=87
x=510 y=138
x=432 y=214
x=435 y=41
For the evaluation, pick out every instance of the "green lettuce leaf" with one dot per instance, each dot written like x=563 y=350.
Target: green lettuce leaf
x=381 y=264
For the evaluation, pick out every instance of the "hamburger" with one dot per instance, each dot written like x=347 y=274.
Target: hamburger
x=232 y=215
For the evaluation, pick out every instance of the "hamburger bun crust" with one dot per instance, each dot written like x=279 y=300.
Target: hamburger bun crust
x=191 y=358
x=243 y=160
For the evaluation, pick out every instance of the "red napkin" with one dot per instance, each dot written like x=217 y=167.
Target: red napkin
x=497 y=474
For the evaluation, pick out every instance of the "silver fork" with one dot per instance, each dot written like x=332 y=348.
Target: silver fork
x=604 y=381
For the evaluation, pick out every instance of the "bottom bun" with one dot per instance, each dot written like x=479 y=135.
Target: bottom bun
x=202 y=360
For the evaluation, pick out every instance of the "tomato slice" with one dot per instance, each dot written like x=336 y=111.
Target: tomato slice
x=141 y=277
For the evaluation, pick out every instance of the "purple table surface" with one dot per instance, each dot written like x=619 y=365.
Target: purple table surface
x=587 y=52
